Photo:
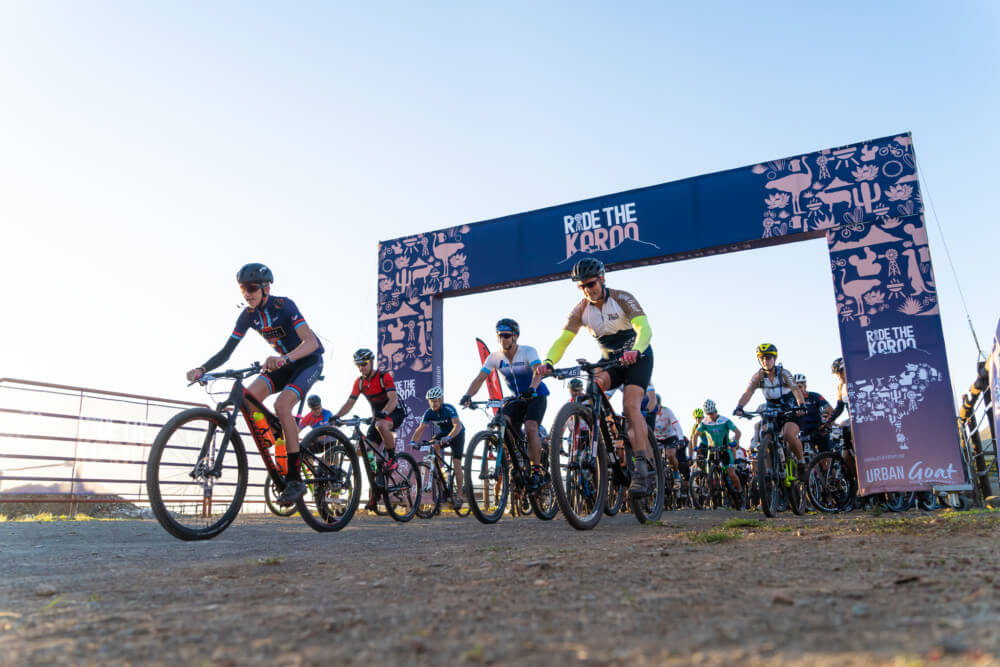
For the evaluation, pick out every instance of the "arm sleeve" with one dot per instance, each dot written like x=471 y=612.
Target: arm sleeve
x=645 y=333
x=222 y=356
x=837 y=410
x=558 y=348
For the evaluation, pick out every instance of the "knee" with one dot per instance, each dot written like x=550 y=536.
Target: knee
x=531 y=428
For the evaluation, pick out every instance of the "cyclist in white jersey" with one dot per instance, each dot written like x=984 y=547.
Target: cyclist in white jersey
x=779 y=388
x=516 y=363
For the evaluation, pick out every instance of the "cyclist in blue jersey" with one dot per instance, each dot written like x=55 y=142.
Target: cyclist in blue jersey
x=450 y=428
x=296 y=366
x=517 y=363
x=318 y=415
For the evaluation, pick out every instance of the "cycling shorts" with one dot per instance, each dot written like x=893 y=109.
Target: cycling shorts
x=638 y=373
x=726 y=457
x=397 y=416
x=670 y=442
x=297 y=376
x=520 y=411
x=457 y=445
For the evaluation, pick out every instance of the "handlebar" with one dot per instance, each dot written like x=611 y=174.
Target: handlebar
x=491 y=403
x=770 y=412
x=355 y=421
x=241 y=373
x=583 y=366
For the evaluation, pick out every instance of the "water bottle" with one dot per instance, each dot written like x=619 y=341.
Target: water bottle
x=371 y=460
x=280 y=456
x=260 y=421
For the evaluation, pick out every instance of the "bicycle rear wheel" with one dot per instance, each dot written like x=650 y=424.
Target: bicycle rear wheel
x=460 y=506
x=187 y=497
x=485 y=467
x=543 y=501
x=402 y=488
x=333 y=480
x=579 y=467
x=650 y=508
x=900 y=501
x=616 y=494
x=430 y=498
x=271 y=492
x=768 y=470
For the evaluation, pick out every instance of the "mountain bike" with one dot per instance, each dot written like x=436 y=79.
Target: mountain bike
x=777 y=474
x=398 y=489
x=497 y=457
x=197 y=473
x=831 y=484
x=439 y=481
x=591 y=452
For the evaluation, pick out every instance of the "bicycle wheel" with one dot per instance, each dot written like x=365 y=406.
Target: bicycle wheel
x=768 y=471
x=928 y=501
x=332 y=477
x=460 y=507
x=402 y=488
x=798 y=497
x=900 y=501
x=829 y=486
x=616 y=495
x=189 y=500
x=736 y=499
x=543 y=501
x=650 y=508
x=717 y=485
x=579 y=467
x=701 y=490
x=430 y=499
x=485 y=466
x=270 y=493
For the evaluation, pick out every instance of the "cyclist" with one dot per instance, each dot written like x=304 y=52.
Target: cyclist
x=450 y=429
x=779 y=390
x=817 y=412
x=717 y=428
x=668 y=432
x=837 y=368
x=380 y=390
x=517 y=363
x=290 y=373
x=576 y=389
x=317 y=414
x=622 y=330
x=650 y=406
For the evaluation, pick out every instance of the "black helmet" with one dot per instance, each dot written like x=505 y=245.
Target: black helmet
x=837 y=365
x=576 y=383
x=363 y=355
x=507 y=325
x=588 y=267
x=313 y=401
x=255 y=272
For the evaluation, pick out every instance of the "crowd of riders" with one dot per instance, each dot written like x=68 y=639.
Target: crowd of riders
x=623 y=332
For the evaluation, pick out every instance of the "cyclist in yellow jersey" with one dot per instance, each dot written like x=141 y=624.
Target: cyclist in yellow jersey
x=620 y=326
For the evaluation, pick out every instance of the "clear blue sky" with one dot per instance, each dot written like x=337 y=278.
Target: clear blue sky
x=148 y=150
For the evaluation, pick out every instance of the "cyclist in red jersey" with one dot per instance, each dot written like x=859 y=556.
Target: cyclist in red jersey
x=380 y=390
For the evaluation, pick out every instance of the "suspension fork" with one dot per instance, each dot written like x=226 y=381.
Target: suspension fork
x=236 y=401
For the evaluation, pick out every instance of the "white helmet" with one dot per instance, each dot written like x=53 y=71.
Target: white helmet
x=435 y=392
x=799 y=378
x=709 y=406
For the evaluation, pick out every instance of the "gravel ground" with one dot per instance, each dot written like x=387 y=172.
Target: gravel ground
x=809 y=590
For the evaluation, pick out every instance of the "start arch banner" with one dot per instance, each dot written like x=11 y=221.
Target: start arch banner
x=864 y=197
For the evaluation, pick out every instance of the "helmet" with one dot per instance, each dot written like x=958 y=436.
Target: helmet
x=698 y=413
x=709 y=405
x=255 y=272
x=313 y=401
x=576 y=383
x=507 y=325
x=837 y=366
x=364 y=354
x=767 y=350
x=434 y=392
x=588 y=267
x=799 y=378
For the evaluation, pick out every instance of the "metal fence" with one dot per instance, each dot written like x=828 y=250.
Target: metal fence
x=979 y=431
x=75 y=445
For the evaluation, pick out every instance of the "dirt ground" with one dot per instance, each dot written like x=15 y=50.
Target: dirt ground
x=858 y=589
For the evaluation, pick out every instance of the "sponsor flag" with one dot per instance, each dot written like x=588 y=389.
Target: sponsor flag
x=493 y=381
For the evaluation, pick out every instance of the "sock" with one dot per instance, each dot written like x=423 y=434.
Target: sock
x=293 y=466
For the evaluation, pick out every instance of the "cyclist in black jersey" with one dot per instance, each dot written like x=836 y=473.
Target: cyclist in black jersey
x=291 y=372
x=817 y=412
x=619 y=324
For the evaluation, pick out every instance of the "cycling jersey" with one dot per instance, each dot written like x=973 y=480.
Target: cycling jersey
x=778 y=389
x=666 y=425
x=611 y=324
x=277 y=320
x=441 y=418
x=312 y=420
x=518 y=371
x=375 y=389
x=717 y=431
x=814 y=405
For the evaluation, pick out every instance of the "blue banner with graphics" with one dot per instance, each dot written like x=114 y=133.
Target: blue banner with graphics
x=994 y=367
x=864 y=197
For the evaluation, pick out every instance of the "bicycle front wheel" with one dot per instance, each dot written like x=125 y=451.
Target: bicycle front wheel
x=830 y=487
x=579 y=466
x=487 y=478
x=332 y=477
x=195 y=489
x=769 y=469
x=402 y=488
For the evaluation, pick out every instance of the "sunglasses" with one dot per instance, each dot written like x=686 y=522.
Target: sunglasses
x=250 y=288
x=588 y=284
x=505 y=335
x=362 y=364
